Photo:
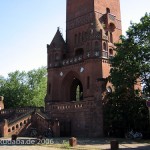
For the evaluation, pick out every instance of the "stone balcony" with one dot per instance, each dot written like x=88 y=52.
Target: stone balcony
x=110 y=21
x=70 y=106
x=111 y=17
x=78 y=59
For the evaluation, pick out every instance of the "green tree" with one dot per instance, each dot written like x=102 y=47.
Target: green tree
x=2 y=80
x=37 y=80
x=132 y=59
x=24 y=89
x=125 y=108
x=122 y=113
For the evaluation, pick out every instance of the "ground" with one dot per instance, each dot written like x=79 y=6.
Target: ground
x=83 y=144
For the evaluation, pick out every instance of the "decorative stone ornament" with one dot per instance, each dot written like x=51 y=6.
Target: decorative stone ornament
x=81 y=69
x=61 y=74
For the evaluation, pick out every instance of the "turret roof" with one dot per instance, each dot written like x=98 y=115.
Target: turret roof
x=58 y=41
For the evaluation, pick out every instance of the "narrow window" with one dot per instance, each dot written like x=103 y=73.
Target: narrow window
x=9 y=130
x=64 y=56
x=75 y=39
x=108 y=10
x=78 y=93
x=111 y=37
x=20 y=124
x=105 y=51
x=110 y=52
x=104 y=46
x=88 y=82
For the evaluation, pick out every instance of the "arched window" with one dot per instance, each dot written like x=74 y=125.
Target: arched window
x=17 y=126
x=105 y=51
x=13 y=128
x=111 y=37
x=104 y=46
x=110 y=52
x=112 y=27
x=20 y=124
x=25 y=121
x=9 y=130
x=76 y=91
x=57 y=57
x=64 y=56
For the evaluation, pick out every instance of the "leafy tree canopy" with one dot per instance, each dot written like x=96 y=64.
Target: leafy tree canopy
x=24 y=89
x=132 y=59
x=125 y=108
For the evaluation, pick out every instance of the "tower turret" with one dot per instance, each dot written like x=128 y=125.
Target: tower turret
x=56 y=50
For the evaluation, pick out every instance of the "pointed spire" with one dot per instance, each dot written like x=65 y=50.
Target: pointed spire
x=58 y=41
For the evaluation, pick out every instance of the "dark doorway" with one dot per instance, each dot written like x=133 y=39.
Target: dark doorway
x=65 y=129
x=76 y=91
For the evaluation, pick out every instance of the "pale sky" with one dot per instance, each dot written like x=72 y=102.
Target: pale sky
x=27 y=26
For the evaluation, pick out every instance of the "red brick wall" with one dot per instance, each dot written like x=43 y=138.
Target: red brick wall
x=81 y=14
x=76 y=8
x=114 y=5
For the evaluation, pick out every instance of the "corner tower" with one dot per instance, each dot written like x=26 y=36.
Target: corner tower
x=86 y=17
x=73 y=94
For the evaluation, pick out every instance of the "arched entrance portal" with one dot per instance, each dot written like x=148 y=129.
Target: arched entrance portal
x=76 y=90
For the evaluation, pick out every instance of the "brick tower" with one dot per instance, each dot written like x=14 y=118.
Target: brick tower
x=74 y=96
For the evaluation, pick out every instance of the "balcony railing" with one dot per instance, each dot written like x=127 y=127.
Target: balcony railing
x=81 y=58
x=70 y=106
x=105 y=54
